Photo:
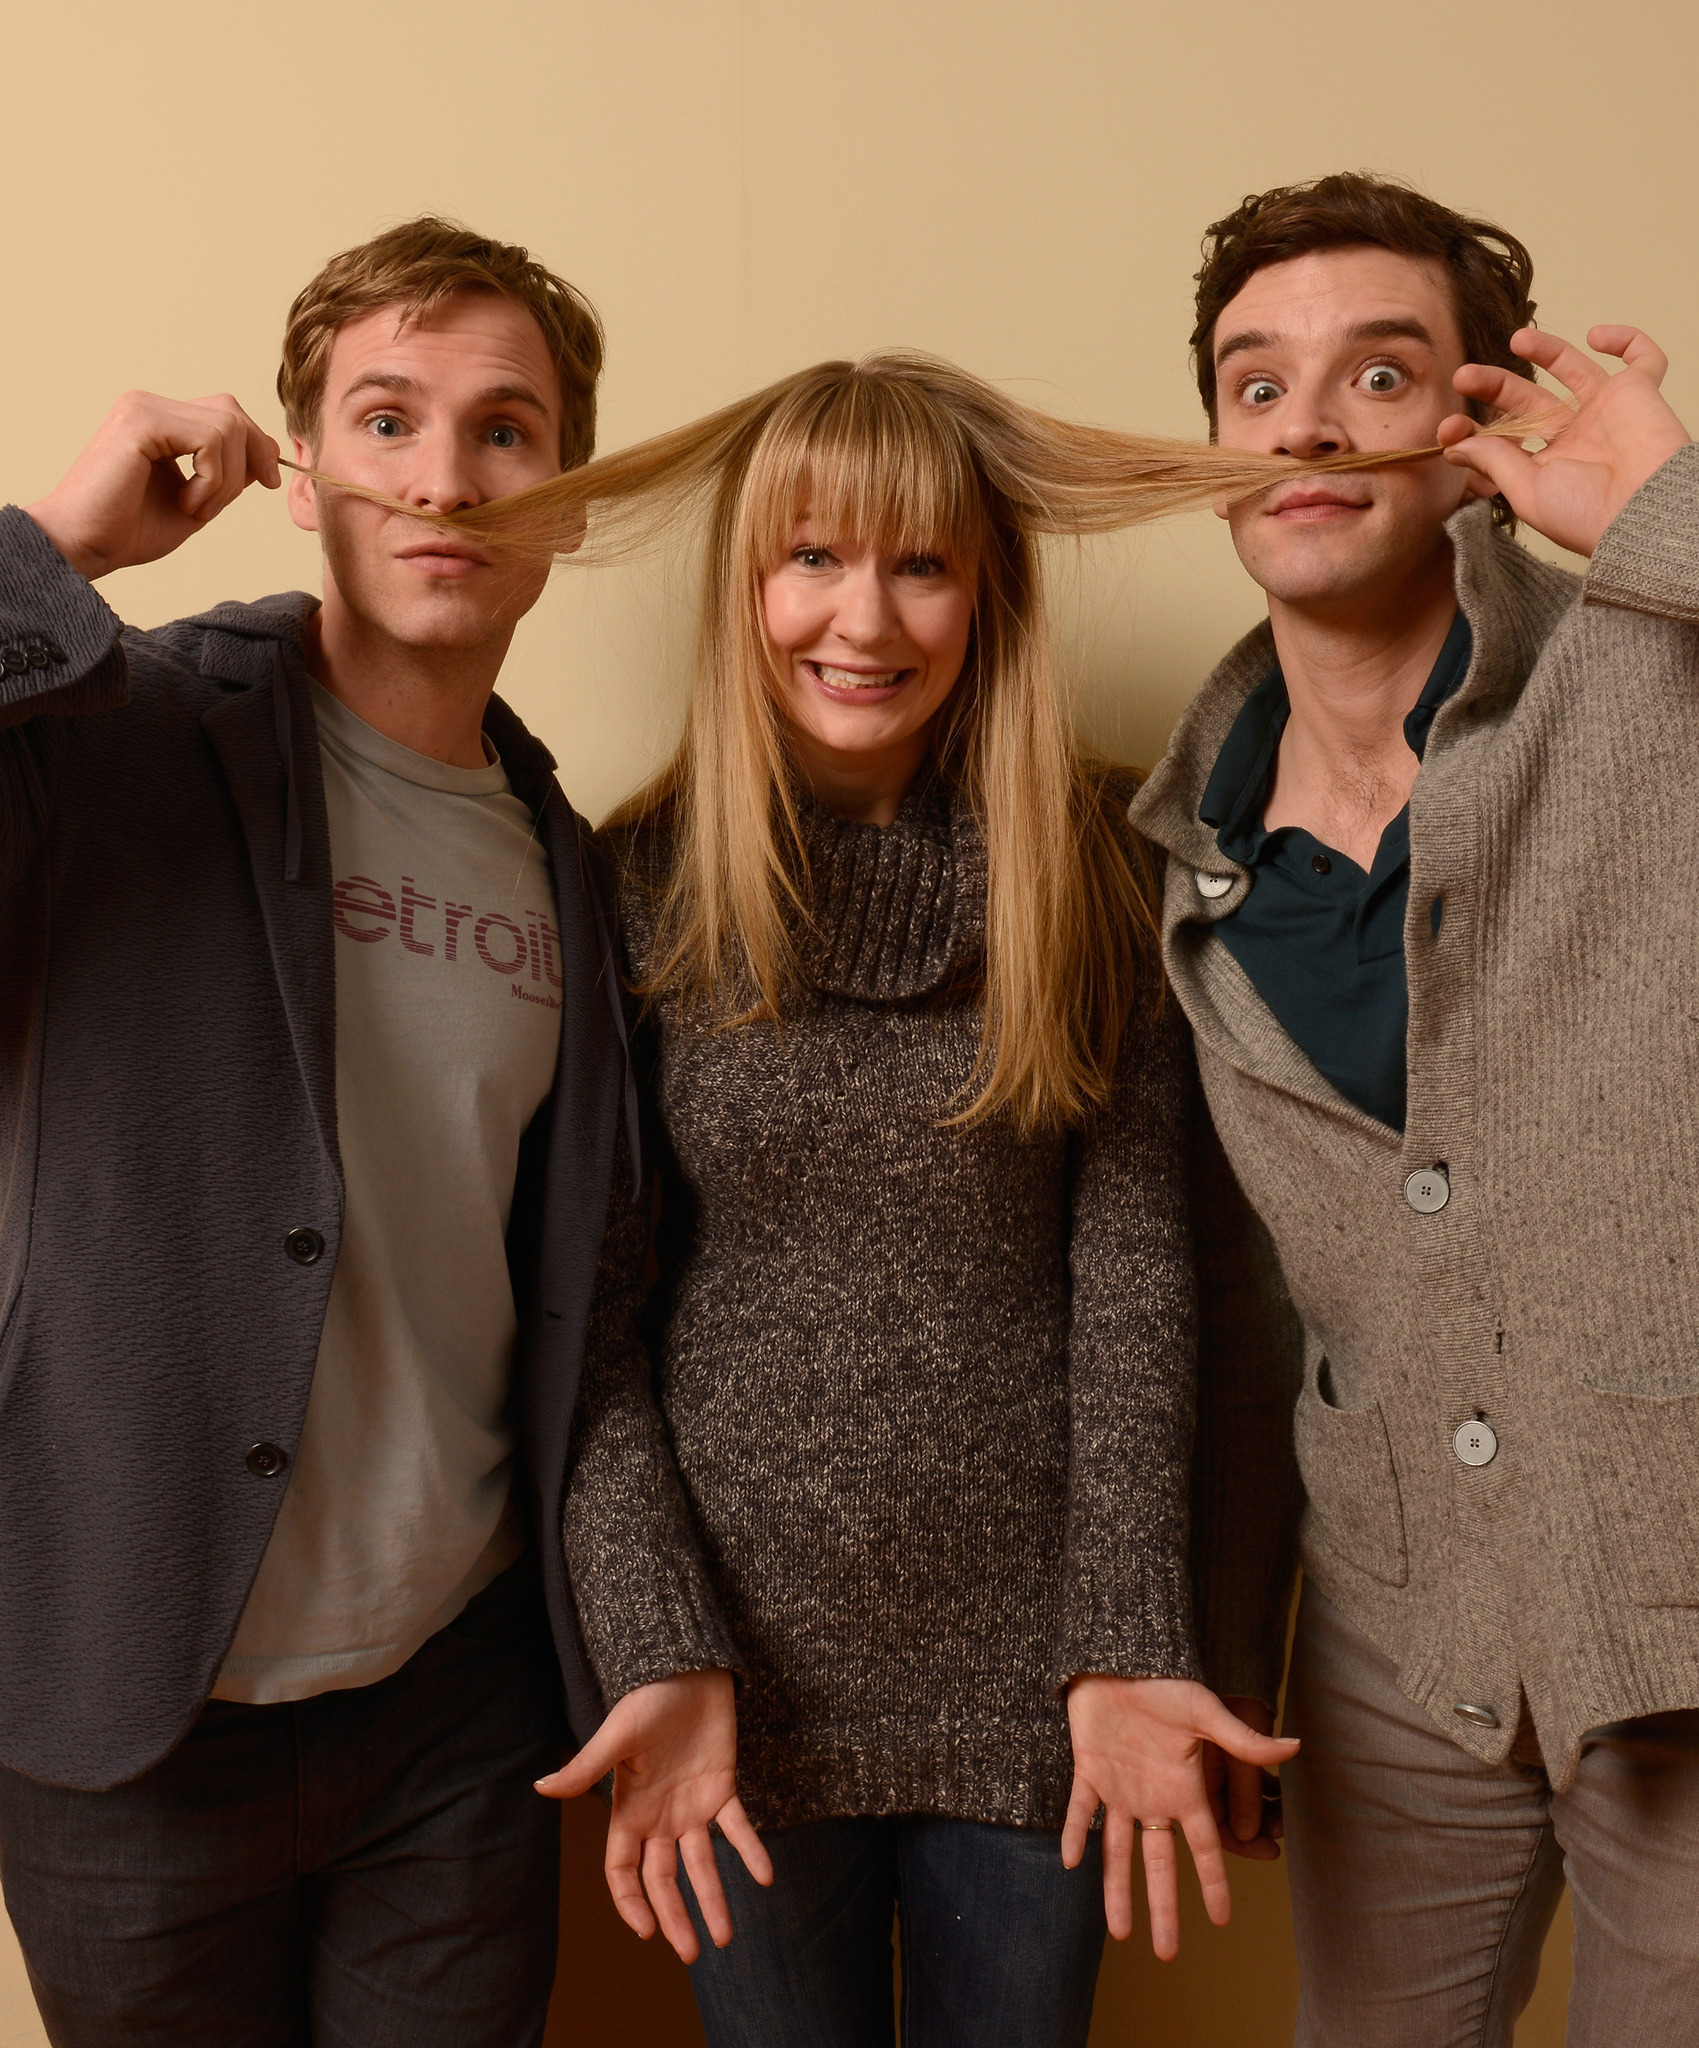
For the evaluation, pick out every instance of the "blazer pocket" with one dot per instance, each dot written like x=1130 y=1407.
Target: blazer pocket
x=1345 y=1456
x=1640 y=1457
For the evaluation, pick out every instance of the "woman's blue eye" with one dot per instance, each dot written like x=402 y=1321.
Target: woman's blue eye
x=923 y=565
x=504 y=437
x=1383 y=378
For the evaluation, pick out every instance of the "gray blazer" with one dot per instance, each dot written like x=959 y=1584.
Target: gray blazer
x=170 y=1184
x=1524 y=1254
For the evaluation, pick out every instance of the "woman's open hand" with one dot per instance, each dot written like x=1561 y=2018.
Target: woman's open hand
x=672 y=1748
x=1139 y=1753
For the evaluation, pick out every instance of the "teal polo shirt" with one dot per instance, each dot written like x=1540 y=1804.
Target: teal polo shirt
x=1322 y=942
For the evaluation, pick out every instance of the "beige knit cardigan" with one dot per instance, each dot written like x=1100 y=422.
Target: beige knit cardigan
x=1554 y=1082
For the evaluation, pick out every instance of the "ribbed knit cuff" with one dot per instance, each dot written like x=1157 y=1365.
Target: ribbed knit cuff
x=1128 y=1620
x=657 y=1627
x=1647 y=559
x=43 y=600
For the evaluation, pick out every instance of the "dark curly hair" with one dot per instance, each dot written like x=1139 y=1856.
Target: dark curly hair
x=1490 y=272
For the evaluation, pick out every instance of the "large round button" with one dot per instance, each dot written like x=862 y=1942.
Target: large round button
x=1476 y=1443
x=1468 y=1710
x=304 y=1245
x=1428 y=1190
x=1213 y=886
x=265 y=1461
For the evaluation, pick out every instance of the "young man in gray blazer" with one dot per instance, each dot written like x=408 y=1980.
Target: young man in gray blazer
x=311 y=1065
x=1430 y=908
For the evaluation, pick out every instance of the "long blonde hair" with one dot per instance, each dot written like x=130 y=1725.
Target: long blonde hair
x=901 y=452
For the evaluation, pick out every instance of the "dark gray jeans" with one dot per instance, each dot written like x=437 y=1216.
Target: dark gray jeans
x=364 y=1869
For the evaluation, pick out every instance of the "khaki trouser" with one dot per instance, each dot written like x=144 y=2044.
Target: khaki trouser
x=1423 y=1881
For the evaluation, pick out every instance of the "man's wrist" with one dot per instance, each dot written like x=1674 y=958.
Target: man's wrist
x=87 y=564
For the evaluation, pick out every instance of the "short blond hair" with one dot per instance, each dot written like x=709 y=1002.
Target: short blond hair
x=414 y=267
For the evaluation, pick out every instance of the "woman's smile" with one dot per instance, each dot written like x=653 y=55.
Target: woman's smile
x=847 y=685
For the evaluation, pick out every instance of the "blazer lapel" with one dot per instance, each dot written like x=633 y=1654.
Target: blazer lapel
x=244 y=731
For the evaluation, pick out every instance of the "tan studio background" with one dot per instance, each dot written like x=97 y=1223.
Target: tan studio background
x=745 y=186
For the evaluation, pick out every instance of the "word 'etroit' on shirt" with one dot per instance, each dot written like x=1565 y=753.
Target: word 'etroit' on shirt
x=527 y=951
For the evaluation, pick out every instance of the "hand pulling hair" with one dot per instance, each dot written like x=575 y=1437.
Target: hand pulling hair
x=1059 y=477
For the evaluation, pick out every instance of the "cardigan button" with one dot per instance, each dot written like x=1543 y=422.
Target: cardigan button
x=265 y=1461
x=1428 y=1190
x=1213 y=886
x=1476 y=1443
x=304 y=1245
x=1483 y=1717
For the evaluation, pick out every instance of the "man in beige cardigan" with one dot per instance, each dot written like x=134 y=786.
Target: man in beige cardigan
x=1448 y=1024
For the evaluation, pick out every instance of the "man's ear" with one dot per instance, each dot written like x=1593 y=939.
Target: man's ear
x=303 y=493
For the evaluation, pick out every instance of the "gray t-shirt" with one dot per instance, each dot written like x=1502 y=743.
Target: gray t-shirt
x=399 y=1506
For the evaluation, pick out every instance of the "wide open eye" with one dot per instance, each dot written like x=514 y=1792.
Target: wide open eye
x=1383 y=379
x=505 y=437
x=386 y=426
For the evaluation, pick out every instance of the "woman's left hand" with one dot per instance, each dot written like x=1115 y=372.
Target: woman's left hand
x=1138 y=1752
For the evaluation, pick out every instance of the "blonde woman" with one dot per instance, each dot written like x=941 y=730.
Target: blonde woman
x=881 y=1487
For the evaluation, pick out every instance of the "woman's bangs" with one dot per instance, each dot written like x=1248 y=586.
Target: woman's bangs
x=874 y=466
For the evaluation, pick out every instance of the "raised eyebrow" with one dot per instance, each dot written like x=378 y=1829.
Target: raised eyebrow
x=1398 y=328
x=1244 y=343
x=382 y=380
x=513 y=394
x=398 y=381
x=1395 y=328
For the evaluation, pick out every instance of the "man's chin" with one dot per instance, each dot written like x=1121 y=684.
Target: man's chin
x=442 y=622
x=1317 y=574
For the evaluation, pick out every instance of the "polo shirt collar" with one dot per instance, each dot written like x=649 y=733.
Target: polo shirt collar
x=1237 y=788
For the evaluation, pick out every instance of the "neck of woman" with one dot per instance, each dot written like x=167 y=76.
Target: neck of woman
x=866 y=787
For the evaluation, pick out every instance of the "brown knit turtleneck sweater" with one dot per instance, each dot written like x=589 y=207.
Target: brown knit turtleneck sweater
x=904 y=1433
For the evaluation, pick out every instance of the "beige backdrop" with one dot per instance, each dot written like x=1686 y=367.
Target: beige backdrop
x=744 y=186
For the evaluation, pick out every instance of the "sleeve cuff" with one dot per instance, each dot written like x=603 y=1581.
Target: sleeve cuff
x=57 y=634
x=1132 y=1622
x=1647 y=559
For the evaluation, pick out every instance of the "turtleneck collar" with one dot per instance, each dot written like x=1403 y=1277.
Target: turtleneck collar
x=899 y=909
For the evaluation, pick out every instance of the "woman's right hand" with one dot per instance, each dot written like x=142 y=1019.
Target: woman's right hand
x=672 y=1748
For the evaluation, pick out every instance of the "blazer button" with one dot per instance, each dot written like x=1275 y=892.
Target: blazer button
x=1428 y=1190
x=304 y=1245
x=265 y=1461
x=1482 y=1717
x=1476 y=1443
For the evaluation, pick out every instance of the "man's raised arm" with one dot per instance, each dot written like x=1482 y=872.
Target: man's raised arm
x=123 y=501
